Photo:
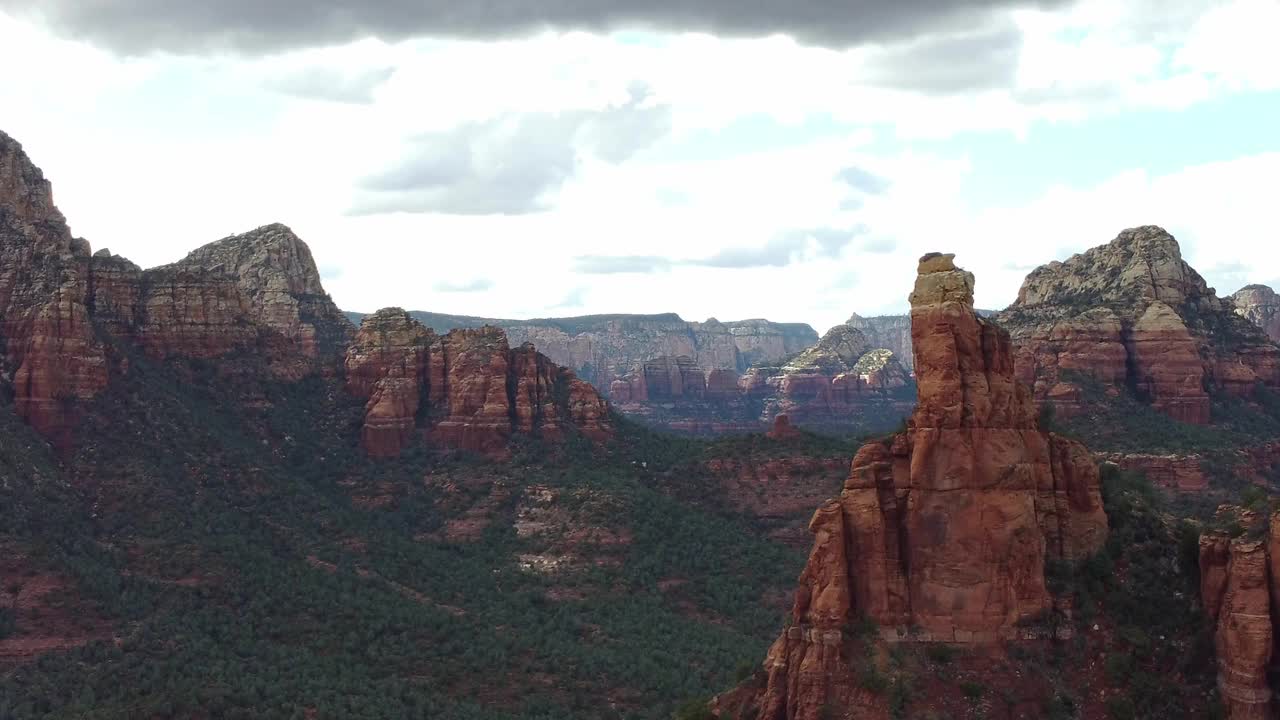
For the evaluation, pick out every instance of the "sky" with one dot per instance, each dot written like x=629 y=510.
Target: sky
x=534 y=158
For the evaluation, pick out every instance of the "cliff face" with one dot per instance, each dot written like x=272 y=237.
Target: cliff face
x=839 y=384
x=467 y=389
x=1259 y=305
x=49 y=355
x=945 y=528
x=1133 y=316
x=1240 y=589
x=605 y=348
x=63 y=310
x=891 y=332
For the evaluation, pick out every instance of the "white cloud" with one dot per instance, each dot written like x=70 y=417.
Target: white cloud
x=155 y=156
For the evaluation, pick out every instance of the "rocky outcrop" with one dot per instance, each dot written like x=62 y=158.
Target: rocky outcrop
x=1240 y=589
x=605 y=348
x=50 y=357
x=891 y=332
x=840 y=384
x=468 y=389
x=1183 y=473
x=942 y=532
x=1259 y=305
x=841 y=379
x=1132 y=316
x=61 y=309
x=277 y=278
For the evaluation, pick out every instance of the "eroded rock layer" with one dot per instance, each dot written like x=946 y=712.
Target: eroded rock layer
x=63 y=312
x=467 y=389
x=1132 y=316
x=1240 y=589
x=942 y=532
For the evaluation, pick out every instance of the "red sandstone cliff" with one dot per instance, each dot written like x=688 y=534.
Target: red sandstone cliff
x=1132 y=315
x=943 y=532
x=1240 y=589
x=466 y=389
x=61 y=308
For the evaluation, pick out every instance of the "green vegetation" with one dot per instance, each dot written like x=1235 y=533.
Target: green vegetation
x=1126 y=424
x=254 y=564
x=1143 y=583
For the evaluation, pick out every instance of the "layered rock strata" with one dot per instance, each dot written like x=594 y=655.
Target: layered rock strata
x=605 y=348
x=467 y=389
x=1132 y=316
x=1240 y=589
x=64 y=313
x=942 y=532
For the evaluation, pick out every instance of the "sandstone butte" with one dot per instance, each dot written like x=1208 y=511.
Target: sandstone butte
x=1240 y=590
x=1133 y=315
x=466 y=389
x=942 y=532
x=70 y=319
x=1260 y=305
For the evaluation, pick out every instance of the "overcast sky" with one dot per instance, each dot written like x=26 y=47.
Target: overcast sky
x=706 y=157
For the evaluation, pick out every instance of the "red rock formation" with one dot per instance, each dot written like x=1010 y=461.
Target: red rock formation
x=1237 y=584
x=945 y=528
x=467 y=390
x=49 y=354
x=1133 y=314
x=259 y=293
x=1174 y=472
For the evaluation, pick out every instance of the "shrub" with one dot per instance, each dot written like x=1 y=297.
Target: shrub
x=8 y=622
x=1120 y=707
x=940 y=654
x=694 y=710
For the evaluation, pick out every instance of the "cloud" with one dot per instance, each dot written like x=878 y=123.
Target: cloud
x=470 y=286
x=575 y=298
x=785 y=249
x=512 y=164
x=616 y=264
x=982 y=59
x=186 y=26
x=863 y=180
x=332 y=84
x=879 y=245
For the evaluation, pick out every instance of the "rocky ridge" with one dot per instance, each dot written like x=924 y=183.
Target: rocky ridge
x=68 y=317
x=467 y=389
x=605 y=348
x=832 y=385
x=1132 y=316
x=945 y=529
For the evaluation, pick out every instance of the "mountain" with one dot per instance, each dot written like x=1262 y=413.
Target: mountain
x=1260 y=305
x=964 y=563
x=220 y=499
x=1133 y=317
x=603 y=348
